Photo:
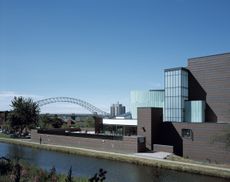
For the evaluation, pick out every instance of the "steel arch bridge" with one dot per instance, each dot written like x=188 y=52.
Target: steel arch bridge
x=79 y=102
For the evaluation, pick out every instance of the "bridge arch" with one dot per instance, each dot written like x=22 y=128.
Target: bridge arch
x=79 y=102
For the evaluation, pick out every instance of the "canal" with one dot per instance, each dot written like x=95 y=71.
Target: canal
x=87 y=166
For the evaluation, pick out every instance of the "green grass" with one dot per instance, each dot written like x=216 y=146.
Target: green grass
x=2 y=135
x=166 y=164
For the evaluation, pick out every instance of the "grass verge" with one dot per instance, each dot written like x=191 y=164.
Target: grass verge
x=159 y=163
x=2 y=135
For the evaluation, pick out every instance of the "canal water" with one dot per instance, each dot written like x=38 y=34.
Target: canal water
x=87 y=166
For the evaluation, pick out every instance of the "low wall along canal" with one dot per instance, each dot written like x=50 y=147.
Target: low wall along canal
x=125 y=144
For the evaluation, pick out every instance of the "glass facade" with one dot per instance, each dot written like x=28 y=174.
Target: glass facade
x=195 y=111
x=176 y=93
x=173 y=99
x=151 y=98
x=119 y=130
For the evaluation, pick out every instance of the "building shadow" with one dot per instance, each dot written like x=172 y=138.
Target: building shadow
x=197 y=92
x=210 y=115
x=170 y=136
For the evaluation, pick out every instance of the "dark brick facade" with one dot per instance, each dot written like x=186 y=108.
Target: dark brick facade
x=149 y=120
x=210 y=80
x=98 y=124
x=129 y=144
x=203 y=144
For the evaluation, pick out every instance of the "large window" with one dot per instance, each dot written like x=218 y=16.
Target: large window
x=120 y=130
x=176 y=92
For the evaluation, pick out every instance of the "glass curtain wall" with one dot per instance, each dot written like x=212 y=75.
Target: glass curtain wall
x=176 y=93
x=195 y=111
x=151 y=98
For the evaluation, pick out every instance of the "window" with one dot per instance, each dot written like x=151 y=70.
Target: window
x=176 y=91
x=187 y=133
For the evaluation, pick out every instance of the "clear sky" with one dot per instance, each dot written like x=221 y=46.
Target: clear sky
x=100 y=50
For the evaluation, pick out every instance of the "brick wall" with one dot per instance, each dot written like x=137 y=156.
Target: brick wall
x=209 y=81
x=164 y=148
x=149 y=120
x=129 y=144
x=203 y=144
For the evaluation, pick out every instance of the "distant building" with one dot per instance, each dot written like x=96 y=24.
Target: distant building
x=70 y=122
x=150 y=98
x=116 y=110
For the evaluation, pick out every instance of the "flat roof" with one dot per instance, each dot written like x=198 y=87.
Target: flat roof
x=212 y=55
x=176 y=68
x=160 y=90
x=126 y=122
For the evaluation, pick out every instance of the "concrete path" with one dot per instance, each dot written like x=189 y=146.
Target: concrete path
x=155 y=155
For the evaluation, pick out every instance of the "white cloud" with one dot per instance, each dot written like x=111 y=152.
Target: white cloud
x=7 y=96
x=4 y=94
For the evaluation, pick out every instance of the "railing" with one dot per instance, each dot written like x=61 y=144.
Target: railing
x=67 y=132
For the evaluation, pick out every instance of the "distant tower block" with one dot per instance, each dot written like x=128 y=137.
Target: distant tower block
x=117 y=109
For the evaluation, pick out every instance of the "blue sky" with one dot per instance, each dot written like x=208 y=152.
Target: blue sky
x=100 y=50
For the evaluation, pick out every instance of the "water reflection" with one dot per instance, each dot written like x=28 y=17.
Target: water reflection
x=86 y=166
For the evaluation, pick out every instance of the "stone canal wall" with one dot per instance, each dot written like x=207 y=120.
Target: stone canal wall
x=129 y=144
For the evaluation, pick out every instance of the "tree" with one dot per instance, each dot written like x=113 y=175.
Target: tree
x=47 y=121
x=44 y=121
x=57 y=122
x=89 y=122
x=24 y=114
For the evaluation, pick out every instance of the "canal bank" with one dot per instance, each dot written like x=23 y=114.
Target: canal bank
x=130 y=158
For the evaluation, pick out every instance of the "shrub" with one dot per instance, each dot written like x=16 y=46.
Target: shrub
x=99 y=176
x=5 y=166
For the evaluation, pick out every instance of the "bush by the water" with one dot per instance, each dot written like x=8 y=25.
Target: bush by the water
x=98 y=177
x=20 y=171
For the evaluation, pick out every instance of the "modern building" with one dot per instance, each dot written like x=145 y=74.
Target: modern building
x=150 y=98
x=120 y=126
x=209 y=80
x=195 y=112
x=190 y=117
x=117 y=110
x=199 y=92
